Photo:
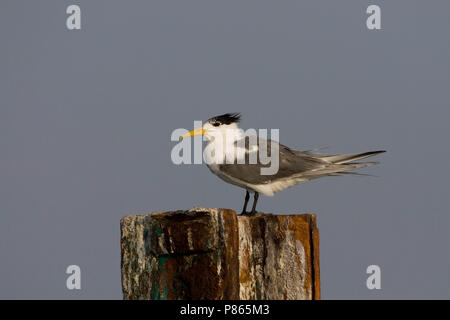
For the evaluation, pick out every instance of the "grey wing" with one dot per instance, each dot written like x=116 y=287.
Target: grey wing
x=291 y=163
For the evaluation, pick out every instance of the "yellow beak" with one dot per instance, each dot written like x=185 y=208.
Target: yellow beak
x=196 y=132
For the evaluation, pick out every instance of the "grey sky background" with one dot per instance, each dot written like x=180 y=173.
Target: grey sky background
x=86 y=118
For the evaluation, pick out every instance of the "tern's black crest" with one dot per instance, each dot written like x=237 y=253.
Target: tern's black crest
x=227 y=118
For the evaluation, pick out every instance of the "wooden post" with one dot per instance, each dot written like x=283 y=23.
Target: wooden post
x=215 y=254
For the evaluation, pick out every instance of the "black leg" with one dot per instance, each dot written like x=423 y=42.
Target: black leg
x=255 y=200
x=247 y=197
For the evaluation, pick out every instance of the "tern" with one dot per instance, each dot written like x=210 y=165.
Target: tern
x=294 y=167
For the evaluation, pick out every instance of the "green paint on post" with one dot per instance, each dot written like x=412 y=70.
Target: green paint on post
x=161 y=261
x=166 y=291
x=159 y=230
x=155 y=292
x=156 y=289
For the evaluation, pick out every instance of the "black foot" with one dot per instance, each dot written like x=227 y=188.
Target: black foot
x=248 y=213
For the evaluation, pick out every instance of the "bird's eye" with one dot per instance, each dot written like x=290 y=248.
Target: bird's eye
x=216 y=124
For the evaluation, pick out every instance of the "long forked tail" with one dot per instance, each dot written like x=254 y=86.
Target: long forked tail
x=339 y=164
x=343 y=163
x=346 y=158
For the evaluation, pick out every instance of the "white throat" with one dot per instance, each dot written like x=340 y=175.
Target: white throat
x=222 y=147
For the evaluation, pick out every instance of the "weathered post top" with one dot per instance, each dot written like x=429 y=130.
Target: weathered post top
x=207 y=253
